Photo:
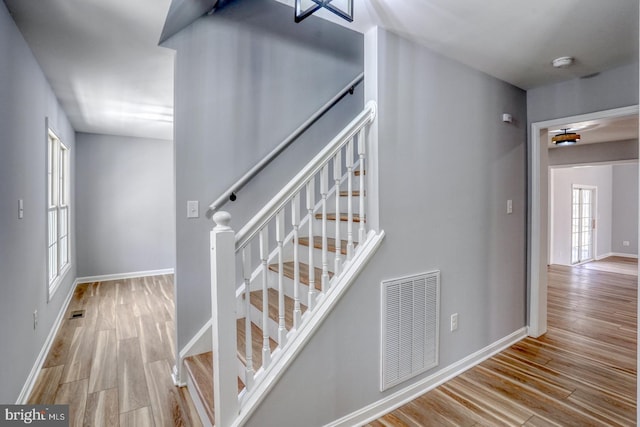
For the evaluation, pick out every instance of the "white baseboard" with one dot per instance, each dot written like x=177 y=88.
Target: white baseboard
x=37 y=366
x=401 y=397
x=131 y=275
x=200 y=343
x=622 y=255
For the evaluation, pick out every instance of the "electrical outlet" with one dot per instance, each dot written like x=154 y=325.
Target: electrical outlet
x=454 y=322
x=625 y=243
x=35 y=319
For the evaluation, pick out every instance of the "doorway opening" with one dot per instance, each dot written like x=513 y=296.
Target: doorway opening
x=539 y=242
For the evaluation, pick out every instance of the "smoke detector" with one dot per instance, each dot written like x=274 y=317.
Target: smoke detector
x=562 y=62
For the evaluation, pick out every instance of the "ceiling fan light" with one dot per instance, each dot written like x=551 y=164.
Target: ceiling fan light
x=566 y=138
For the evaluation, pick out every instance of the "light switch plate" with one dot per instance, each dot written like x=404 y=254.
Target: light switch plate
x=509 y=206
x=193 y=209
x=20 y=209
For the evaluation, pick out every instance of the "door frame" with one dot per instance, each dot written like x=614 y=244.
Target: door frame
x=538 y=213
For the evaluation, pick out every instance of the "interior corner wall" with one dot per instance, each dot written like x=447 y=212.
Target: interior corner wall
x=125 y=205
x=26 y=101
x=246 y=77
x=447 y=166
x=561 y=182
x=625 y=209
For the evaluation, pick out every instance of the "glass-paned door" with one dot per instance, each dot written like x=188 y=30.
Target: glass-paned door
x=582 y=224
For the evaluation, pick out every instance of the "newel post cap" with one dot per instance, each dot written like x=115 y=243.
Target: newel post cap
x=222 y=220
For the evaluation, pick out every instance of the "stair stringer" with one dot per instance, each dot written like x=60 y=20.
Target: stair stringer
x=268 y=378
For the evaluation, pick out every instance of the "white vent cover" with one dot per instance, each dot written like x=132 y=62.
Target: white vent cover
x=410 y=325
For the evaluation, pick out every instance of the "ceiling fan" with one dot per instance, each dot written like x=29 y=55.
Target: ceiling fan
x=566 y=138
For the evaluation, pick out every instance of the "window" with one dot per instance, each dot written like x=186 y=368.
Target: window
x=57 y=211
x=582 y=223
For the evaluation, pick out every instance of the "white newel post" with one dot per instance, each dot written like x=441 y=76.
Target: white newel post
x=223 y=295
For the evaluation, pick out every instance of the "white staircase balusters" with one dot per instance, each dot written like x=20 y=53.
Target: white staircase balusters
x=350 y=200
x=311 y=191
x=264 y=254
x=361 y=154
x=246 y=274
x=295 y=221
x=337 y=176
x=282 y=330
x=223 y=324
x=324 y=184
x=328 y=166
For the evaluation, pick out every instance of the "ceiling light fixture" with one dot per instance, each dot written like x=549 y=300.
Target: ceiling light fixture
x=314 y=5
x=563 y=62
x=566 y=138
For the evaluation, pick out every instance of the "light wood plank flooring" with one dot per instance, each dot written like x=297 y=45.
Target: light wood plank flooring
x=113 y=366
x=581 y=373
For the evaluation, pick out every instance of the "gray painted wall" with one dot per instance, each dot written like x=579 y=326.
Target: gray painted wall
x=246 y=77
x=625 y=209
x=610 y=89
x=125 y=204
x=590 y=153
x=614 y=88
x=561 y=183
x=26 y=99
x=447 y=167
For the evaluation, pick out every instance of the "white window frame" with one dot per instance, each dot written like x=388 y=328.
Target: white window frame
x=592 y=224
x=58 y=221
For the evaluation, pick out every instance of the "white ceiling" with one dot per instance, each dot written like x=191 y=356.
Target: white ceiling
x=102 y=59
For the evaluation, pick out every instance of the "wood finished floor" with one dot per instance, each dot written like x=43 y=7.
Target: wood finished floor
x=113 y=367
x=582 y=372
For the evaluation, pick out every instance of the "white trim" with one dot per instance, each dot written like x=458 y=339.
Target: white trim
x=551 y=256
x=371 y=84
x=308 y=328
x=37 y=366
x=594 y=217
x=298 y=183
x=58 y=280
x=200 y=343
x=401 y=397
x=538 y=237
x=618 y=254
x=197 y=402
x=603 y=163
x=131 y=275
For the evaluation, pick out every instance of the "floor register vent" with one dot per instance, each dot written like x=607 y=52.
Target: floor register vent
x=409 y=329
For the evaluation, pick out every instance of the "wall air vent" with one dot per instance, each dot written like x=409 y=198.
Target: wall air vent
x=409 y=329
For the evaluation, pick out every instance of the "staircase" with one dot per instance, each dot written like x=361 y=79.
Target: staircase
x=306 y=254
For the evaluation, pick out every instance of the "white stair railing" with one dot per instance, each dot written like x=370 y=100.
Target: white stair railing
x=272 y=237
